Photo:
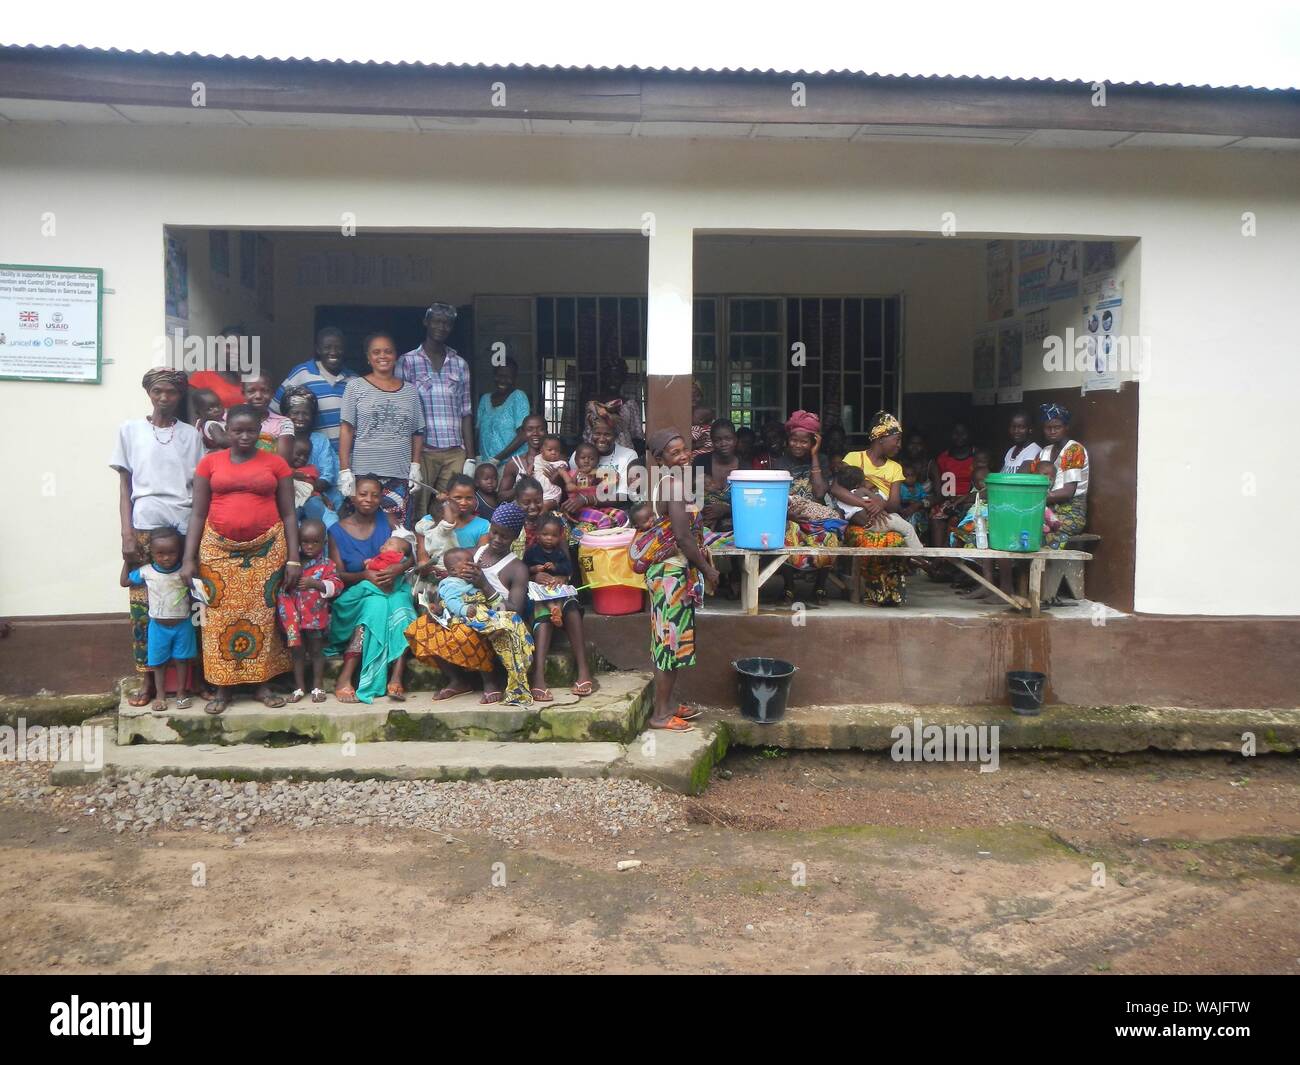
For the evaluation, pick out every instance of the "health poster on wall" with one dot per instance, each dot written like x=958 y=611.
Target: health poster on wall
x=984 y=356
x=1063 y=269
x=176 y=279
x=1011 y=343
x=999 y=297
x=1101 y=328
x=51 y=323
x=1031 y=272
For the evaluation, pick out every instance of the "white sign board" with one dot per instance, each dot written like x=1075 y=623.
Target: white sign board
x=50 y=323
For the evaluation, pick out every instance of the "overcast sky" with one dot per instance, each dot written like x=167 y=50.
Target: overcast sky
x=1241 y=42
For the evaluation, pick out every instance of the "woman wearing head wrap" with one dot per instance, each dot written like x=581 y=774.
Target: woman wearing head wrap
x=499 y=646
x=677 y=581
x=878 y=524
x=806 y=510
x=618 y=399
x=1068 y=496
x=155 y=458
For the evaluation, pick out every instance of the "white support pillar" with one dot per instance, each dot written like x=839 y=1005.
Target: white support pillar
x=669 y=325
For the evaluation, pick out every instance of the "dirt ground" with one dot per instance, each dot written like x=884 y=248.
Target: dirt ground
x=790 y=863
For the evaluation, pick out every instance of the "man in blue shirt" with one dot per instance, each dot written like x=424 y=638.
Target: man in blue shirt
x=326 y=376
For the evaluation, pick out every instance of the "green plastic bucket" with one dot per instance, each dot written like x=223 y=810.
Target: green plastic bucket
x=1016 y=502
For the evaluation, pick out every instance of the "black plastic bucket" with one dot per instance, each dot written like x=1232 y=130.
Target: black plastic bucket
x=1026 y=691
x=764 y=685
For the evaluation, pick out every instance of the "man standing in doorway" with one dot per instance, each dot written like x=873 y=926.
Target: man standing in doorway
x=441 y=379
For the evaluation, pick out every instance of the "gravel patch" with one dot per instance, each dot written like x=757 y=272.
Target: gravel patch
x=508 y=811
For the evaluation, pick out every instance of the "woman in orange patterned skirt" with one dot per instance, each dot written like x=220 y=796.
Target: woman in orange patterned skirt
x=243 y=546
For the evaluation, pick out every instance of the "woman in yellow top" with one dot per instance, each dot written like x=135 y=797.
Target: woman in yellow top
x=885 y=579
x=884 y=474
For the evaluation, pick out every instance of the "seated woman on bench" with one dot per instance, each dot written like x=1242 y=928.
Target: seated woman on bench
x=1068 y=496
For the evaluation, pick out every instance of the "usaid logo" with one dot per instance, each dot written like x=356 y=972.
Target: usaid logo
x=56 y=321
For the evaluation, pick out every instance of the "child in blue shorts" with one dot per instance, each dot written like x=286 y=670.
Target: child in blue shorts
x=171 y=630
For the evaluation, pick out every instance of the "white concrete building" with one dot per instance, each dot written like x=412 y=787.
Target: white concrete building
x=724 y=224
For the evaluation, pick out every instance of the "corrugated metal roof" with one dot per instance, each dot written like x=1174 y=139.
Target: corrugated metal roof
x=973 y=79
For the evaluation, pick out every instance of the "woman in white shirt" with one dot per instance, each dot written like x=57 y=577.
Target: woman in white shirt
x=1023 y=452
x=155 y=458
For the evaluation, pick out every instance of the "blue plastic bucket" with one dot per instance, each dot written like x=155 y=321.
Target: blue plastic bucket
x=758 y=505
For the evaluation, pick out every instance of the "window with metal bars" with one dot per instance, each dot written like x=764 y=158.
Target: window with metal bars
x=577 y=339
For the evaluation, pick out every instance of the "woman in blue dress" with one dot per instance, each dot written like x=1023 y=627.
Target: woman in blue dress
x=368 y=621
x=501 y=415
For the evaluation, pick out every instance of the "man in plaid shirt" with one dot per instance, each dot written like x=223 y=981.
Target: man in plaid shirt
x=442 y=381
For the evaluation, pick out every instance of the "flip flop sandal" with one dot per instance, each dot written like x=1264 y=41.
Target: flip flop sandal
x=214 y=707
x=542 y=695
x=296 y=696
x=451 y=693
x=674 y=724
x=272 y=702
x=345 y=695
x=318 y=696
x=587 y=684
x=397 y=693
x=138 y=699
x=491 y=698
x=184 y=702
x=687 y=714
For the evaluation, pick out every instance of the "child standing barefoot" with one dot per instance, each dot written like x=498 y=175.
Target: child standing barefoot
x=305 y=613
x=171 y=630
x=549 y=564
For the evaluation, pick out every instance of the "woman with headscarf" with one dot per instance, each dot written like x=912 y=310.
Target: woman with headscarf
x=807 y=510
x=618 y=401
x=155 y=458
x=500 y=647
x=884 y=579
x=501 y=416
x=675 y=579
x=1068 y=496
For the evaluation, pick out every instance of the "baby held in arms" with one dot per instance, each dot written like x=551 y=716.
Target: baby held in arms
x=854 y=480
x=394 y=552
x=460 y=597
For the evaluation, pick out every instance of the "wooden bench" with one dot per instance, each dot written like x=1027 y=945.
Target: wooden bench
x=755 y=574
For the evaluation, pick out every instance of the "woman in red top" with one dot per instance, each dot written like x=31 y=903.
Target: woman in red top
x=225 y=380
x=950 y=474
x=243 y=547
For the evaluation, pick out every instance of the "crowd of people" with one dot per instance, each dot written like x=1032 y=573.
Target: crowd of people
x=379 y=516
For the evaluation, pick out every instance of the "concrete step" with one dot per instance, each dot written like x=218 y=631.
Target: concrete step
x=678 y=762
x=1112 y=729
x=615 y=712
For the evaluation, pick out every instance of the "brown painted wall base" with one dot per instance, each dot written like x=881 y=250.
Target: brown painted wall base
x=65 y=655
x=887 y=656
x=879 y=657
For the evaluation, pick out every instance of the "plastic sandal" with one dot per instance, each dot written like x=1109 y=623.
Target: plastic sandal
x=296 y=696
x=542 y=695
x=184 y=702
x=318 y=696
x=674 y=724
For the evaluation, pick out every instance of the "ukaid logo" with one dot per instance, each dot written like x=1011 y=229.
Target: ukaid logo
x=29 y=320
x=102 y=1018
x=56 y=743
x=919 y=742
